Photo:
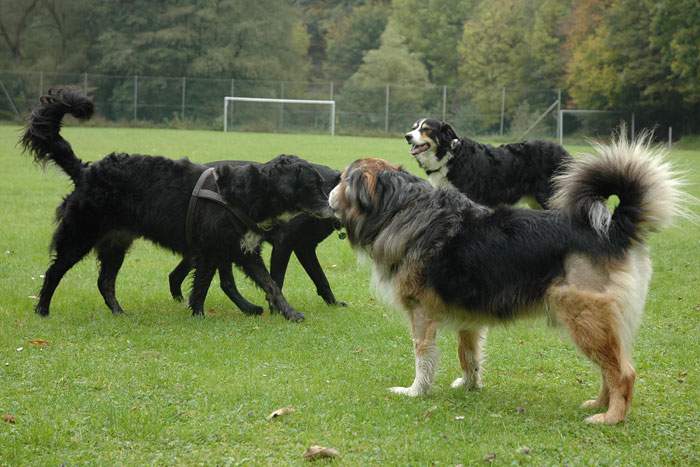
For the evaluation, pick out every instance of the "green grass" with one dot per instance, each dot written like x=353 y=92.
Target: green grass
x=157 y=386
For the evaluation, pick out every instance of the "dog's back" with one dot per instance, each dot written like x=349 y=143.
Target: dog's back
x=494 y=175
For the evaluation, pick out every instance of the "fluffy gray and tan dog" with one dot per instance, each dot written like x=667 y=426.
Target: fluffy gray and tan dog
x=448 y=261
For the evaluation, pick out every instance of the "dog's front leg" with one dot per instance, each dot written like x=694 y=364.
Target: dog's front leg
x=426 y=351
x=309 y=261
x=254 y=267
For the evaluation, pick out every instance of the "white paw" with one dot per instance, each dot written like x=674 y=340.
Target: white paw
x=467 y=383
x=592 y=404
x=409 y=391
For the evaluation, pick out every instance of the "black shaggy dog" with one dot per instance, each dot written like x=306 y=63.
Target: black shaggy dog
x=300 y=235
x=486 y=174
x=123 y=197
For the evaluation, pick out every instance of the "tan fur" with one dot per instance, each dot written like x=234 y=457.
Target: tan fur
x=593 y=321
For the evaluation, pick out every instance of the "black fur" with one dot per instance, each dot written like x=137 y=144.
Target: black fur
x=123 y=197
x=300 y=235
x=495 y=175
x=493 y=262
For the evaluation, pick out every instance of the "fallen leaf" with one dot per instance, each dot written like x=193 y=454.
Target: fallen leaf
x=39 y=342
x=524 y=450
x=520 y=410
x=8 y=418
x=459 y=417
x=280 y=412
x=318 y=452
x=428 y=413
x=490 y=457
x=19 y=349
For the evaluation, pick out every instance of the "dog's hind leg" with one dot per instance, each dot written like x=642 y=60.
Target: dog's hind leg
x=71 y=245
x=110 y=253
x=470 y=352
x=279 y=260
x=228 y=285
x=594 y=321
x=309 y=261
x=253 y=266
x=424 y=334
x=177 y=276
x=204 y=271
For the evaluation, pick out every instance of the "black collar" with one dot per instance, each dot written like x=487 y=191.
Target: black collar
x=199 y=192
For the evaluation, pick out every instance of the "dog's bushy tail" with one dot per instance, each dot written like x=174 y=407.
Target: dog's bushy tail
x=42 y=136
x=649 y=190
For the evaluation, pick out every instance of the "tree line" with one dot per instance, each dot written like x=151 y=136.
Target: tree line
x=637 y=56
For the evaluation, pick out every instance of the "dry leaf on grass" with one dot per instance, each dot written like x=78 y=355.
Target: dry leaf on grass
x=8 y=418
x=39 y=342
x=319 y=452
x=490 y=457
x=279 y=412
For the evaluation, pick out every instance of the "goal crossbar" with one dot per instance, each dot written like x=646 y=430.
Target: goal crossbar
x=331 y=103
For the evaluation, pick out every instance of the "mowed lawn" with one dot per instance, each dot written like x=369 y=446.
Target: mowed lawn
x=157 y=386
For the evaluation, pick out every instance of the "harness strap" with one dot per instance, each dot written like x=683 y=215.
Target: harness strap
x=204 y=193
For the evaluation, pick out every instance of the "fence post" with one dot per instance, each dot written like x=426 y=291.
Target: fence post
x=503 y=108
x=386 y=110
x=136 y=97
x=233 y=90
x=41 y=83
x=85 y=84
x=444 y=103
x=184 y=90
x=559 y=125
x=332 y=90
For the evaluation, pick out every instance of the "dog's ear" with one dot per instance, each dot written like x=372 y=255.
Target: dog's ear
x=236 y=181
x=361 y=187
x=447 y=133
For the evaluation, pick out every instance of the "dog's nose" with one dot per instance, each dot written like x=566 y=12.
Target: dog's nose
x=408 y=137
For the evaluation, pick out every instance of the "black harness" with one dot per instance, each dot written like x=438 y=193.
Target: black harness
x=208 y=178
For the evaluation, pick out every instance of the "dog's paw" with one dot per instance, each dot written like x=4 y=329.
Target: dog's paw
x=593 y=404
x=178 y=297
x=294 y=316
x=469 y=384
x=339 y=303
x=409 y=391
x=602 y=419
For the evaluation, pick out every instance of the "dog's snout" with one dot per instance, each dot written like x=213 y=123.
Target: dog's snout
x=408 y=137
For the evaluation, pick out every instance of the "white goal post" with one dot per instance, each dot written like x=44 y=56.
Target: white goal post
x=331 y=103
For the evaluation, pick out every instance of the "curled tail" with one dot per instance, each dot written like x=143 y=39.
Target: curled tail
x=42 y=137
x=636 y=172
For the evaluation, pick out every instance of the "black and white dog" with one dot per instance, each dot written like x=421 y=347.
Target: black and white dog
x=300 y=235
x=123 y=197
x=486 y=174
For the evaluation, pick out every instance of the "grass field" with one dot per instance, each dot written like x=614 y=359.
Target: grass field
x=157 y=386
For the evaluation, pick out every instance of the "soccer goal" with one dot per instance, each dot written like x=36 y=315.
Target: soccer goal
x=580 y=125
x=231 y=100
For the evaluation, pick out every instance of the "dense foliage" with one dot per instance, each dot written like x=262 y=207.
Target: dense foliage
x=637 y=56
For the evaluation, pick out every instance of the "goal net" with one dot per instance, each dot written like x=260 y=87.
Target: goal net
x=578 y=126
x=267 y=114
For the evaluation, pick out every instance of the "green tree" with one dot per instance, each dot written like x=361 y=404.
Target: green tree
x=432 y=29
x=351 y=35
x=494 y=56
x=391 y=64
x=675 y=30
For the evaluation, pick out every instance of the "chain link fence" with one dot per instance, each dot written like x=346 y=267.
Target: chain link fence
x=360 y=110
